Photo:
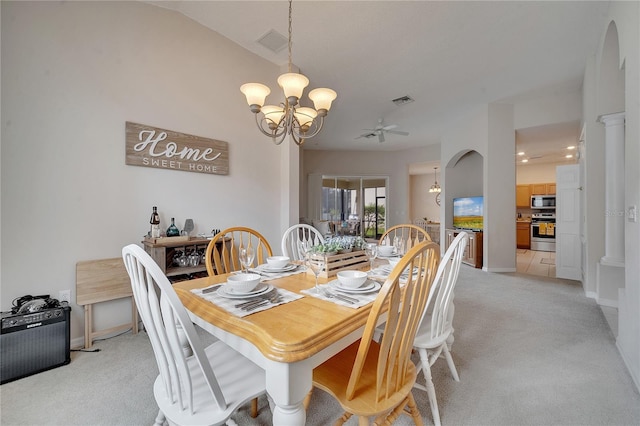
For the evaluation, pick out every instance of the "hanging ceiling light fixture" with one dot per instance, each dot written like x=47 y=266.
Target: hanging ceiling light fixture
x=435 y=187
x=289 y=118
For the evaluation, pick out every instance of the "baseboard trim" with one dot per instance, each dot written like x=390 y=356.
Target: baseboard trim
x=634 y=378
x=498 y=269
x=607 y=302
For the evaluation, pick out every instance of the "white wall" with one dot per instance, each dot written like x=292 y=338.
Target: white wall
x=547 y=109
x=536 y=173
x=626 y=15
x=422 y=202
x=72 y=74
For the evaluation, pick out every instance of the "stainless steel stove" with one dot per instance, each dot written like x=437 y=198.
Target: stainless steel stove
x=543 y=231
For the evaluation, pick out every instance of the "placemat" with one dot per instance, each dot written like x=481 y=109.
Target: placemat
x=229 y=305
x=361 y=299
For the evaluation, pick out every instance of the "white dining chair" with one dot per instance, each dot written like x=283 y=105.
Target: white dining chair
x=297 y=237
x=204 y=388
x=436 y=326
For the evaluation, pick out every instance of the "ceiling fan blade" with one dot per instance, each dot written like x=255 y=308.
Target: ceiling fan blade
x=398 y=132
x=380 y=137
x=389 y=127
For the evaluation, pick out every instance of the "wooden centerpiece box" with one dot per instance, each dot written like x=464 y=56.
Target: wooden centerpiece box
x=355 y=259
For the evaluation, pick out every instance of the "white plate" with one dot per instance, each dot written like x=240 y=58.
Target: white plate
x=386 y=269
x=287 y=268
x=367 y=287
x=387 y=257
x=260 y=289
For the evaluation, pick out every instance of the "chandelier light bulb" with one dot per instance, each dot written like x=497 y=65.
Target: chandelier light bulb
x=293 y=84
x=256 y=93
x=273 y=114
x=322 y=98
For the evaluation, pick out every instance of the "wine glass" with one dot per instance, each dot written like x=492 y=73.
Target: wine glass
x=371 y=251
x=246 y=257
x=398 y=243
x=316 y=262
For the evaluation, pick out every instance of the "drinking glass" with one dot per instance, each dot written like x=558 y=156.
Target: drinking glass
x=371 y=251
x=398 y=243
x=246 y=257
x=316 y=262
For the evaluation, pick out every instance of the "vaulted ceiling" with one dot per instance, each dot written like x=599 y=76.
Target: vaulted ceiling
x=448 y=56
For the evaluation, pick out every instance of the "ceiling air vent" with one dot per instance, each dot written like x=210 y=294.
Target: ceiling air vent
x=273 y=40
x=403 y=100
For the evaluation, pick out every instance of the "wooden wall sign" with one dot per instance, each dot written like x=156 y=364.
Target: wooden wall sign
x=165 y=149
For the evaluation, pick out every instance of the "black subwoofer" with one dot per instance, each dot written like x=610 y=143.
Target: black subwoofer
x=34 y=342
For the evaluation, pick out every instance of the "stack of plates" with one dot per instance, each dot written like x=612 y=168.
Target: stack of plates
x=386 y=270
x=267 y=268
x=367 y=287
x=261 y=288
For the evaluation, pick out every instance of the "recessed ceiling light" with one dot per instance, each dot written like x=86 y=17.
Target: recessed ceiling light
x=525 y=160
x=571 y=147
x=521 y=153
x=568 y=156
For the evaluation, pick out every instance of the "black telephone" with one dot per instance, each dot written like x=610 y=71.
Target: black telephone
x=28 y=304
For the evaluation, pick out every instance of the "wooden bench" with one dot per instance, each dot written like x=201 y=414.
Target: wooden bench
x=101 y=281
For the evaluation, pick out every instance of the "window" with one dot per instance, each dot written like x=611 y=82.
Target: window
x=355 y=205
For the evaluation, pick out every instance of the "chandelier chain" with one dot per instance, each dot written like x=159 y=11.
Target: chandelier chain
x=290 y=32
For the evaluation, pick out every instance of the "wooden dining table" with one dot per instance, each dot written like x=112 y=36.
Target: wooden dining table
x=288 y=341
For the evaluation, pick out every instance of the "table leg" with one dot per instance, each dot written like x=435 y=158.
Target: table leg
x=288 y=385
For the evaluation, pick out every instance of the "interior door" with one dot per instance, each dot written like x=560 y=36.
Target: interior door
x=568 y=216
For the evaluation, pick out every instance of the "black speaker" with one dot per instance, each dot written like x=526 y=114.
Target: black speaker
x=34 y=342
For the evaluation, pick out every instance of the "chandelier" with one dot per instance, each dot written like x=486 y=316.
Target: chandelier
x=289 y=117
x=435 y=187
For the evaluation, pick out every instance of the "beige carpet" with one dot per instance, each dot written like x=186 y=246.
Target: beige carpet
x=529 y=351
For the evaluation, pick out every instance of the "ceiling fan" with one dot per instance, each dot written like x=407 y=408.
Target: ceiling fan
x=380 y=130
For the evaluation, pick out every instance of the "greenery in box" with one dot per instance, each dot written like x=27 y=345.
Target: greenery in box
x=327 y=248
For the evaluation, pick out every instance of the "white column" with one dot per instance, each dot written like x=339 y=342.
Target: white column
x=614 y=188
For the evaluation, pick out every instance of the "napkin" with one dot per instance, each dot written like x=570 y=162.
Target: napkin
x=381 y=273
x=266 y=276
x=362 y=299
x=228 y=304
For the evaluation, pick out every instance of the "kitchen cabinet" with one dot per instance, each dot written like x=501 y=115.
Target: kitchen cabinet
x=523 y=234
x=543 y=189
x=523 y=196
x=473 y=252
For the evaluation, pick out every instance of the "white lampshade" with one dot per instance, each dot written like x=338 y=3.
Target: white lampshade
x=322 y=98
x=293 y=84
x=255 y=93
x=305 y=115
x=273 y=113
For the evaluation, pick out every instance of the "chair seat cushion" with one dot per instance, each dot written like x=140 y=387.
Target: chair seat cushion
x=333 y=377
x=237 y=377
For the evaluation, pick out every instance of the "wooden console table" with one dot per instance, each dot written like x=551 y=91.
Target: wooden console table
x=473 y=253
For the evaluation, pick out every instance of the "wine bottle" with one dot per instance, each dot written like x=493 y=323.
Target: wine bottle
x=155 y=223
x=172 y=230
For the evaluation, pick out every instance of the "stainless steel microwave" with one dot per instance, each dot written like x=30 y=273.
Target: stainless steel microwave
x=543 y=201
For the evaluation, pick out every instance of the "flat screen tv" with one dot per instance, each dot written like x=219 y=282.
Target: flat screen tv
x=468 y=213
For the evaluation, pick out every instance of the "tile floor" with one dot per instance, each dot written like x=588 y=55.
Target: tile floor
x=542 y=263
